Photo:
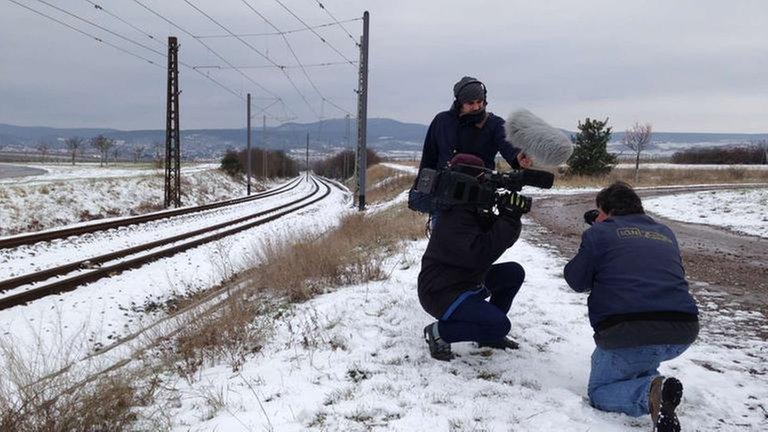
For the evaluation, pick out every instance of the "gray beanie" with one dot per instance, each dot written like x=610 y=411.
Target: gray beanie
x=468 y=89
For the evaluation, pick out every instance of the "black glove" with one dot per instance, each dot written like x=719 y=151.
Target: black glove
x=515 y=205
x=590 y=216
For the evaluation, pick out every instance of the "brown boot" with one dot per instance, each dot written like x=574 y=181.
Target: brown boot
x=654 y=399
x=663 y=397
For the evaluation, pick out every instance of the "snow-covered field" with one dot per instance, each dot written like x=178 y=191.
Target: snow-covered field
x=71 y=194
x=744 y=210
x=366 y=366
x=102 y=311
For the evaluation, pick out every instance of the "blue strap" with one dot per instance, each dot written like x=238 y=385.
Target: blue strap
x=460 y=299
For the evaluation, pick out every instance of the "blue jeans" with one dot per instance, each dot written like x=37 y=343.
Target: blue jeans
x=471 y=318
x=621 y=378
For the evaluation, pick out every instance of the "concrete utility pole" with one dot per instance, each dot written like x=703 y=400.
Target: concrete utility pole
x=248 y=152
x=307 y=156
x=346 y=149
x=172 y=141
x=264 y=144
x=362 y=114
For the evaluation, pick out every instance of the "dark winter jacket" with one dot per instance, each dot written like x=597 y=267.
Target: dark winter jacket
x=639 y=295
x=462 y=248
x=449 y=134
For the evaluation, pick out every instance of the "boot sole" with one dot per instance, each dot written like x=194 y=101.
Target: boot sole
x=671 y=395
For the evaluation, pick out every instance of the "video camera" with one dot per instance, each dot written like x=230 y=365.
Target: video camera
x=480 y=187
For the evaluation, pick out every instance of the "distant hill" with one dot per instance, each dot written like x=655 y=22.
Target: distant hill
x=384 y=135
x=667 y=143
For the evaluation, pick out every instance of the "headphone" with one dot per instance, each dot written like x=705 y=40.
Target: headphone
x=458 y=92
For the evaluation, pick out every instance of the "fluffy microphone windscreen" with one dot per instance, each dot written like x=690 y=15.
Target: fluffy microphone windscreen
x=545 y=145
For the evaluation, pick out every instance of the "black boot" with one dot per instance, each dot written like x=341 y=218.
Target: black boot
x=502 y=344
x=438 y=348
x=665 y=396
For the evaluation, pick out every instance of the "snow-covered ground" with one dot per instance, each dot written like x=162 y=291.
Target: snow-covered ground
x=71 y=194
x=744 y=210
x=55 y=172
x=31 y=258
x=354 y=359
x=368 y=368
x=102 y=311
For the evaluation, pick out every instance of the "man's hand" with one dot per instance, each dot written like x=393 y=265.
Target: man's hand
x=590 y=216
x=515 y=205
x=524 y=161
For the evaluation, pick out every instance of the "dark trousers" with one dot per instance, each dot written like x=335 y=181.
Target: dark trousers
x=471 y=318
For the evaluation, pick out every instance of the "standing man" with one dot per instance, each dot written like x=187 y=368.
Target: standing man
x=468 y=128
x=640 y=307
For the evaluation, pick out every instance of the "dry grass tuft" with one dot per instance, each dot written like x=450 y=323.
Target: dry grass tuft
x=665 y=177
x=290 y=270
x=237 y=328
x=308 y=265
x=386 y=183
x=383 y=183
x=105 y=404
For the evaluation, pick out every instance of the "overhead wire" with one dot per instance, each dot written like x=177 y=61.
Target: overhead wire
x=212 y=51
x=96 y=38
x=311 y=65
x=101 y=8
x=315 y=33
x=254 y=49
x=102 y=28
x=116 y=46
x=298 y=61
x=280 y=67
x=322 y=6
x=278 y=33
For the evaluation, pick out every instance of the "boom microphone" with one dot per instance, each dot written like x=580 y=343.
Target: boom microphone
x=545 y=145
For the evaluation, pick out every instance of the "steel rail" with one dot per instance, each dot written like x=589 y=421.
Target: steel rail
x=31 y=238
x=72 y=283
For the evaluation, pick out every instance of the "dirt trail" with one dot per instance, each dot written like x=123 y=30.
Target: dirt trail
x=726 y=270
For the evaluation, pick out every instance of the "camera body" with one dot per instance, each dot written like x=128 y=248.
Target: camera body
x=482 y=188
x=590 y=216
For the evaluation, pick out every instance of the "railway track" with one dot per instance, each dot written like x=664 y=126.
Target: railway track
x=76 y=273
x=62 y=233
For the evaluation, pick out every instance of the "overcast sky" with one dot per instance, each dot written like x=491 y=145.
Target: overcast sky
x=683 y=66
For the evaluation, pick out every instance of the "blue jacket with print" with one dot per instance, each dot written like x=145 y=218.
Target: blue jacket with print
x=631 y=265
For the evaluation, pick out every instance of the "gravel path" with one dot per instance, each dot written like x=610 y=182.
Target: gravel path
x=727 y=271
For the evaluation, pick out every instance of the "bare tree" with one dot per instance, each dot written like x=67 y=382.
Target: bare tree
x=138 y=151
x=82 y=151
x=102 y=144
x=158 y=156
x=637 y=138
x=73 y=144
x=115 y=154
x=763 y=144
x=43 y=148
